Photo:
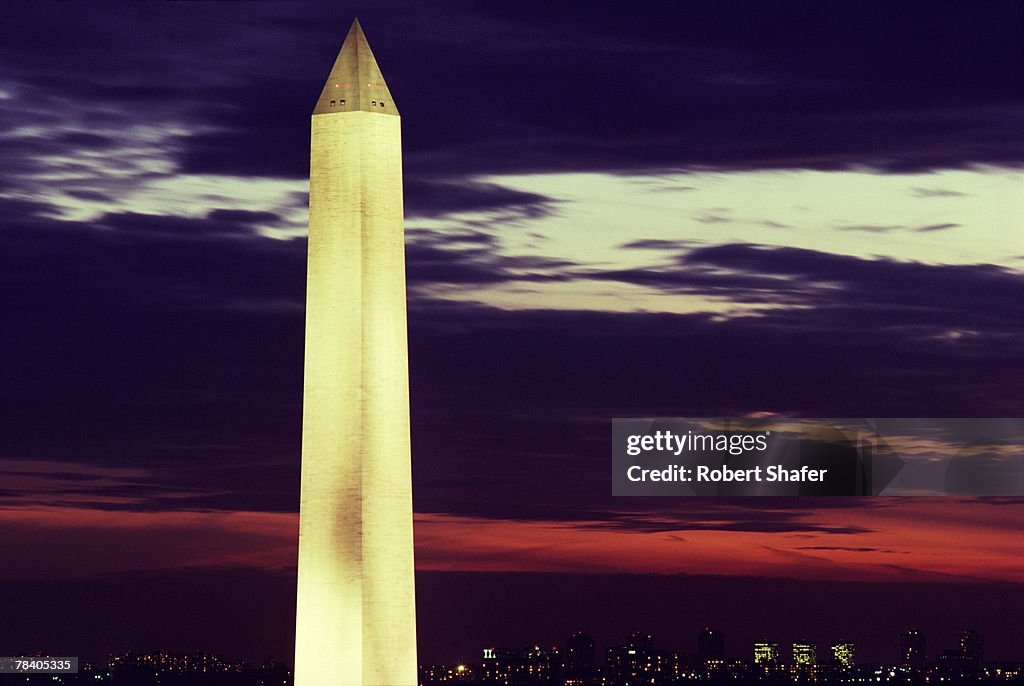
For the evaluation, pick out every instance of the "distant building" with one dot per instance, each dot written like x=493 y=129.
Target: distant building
x=843 y=654
x=952 y=662
x=710 y=645
x=913 y=649
x=972 y=645
x=805 y=660
x=637 y=661
x=578 y=659
x=968 y=659
x=163 y=662
x=766 y=654
x=438 y=674
x=534 y=665
x=805 y=653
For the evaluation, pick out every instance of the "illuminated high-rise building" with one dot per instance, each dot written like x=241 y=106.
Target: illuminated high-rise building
x=356 y=613
x=844 y=654
x=766 y=653
x=805 y=653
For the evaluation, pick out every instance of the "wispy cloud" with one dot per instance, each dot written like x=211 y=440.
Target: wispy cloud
x=897 y=541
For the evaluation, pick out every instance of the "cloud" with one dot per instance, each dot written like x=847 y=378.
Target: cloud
x=878 y=285
x=176 y=342
x=727 y=98
x=896 y=541
x=85 y=542
x=96 y=196
x=658 y=244
x=218 y=222
x=935 y=193
x=724 y=516
x=875 y=228
x=867 y=228
x=471 y=257
x=847 y=549
x=833 y=291
x=438 y=198
x=936 y=227
x=712 y=219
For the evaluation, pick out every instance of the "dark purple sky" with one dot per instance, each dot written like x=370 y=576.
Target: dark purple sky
x=697 y=209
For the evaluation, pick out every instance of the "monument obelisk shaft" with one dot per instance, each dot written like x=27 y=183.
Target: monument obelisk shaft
x=355 y=615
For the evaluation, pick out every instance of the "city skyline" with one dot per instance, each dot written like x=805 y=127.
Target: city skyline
x=577 y=661
x=680 y=210
x=681 y=633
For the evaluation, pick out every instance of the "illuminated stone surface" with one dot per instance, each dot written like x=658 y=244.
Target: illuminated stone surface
x=356 y=616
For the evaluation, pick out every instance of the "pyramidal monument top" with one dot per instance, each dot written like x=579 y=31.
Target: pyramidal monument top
x=355 y=83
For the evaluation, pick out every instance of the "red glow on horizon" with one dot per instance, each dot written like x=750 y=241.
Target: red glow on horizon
x=923 y=539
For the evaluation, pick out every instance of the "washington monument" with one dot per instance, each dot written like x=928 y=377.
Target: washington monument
x=356 y=612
